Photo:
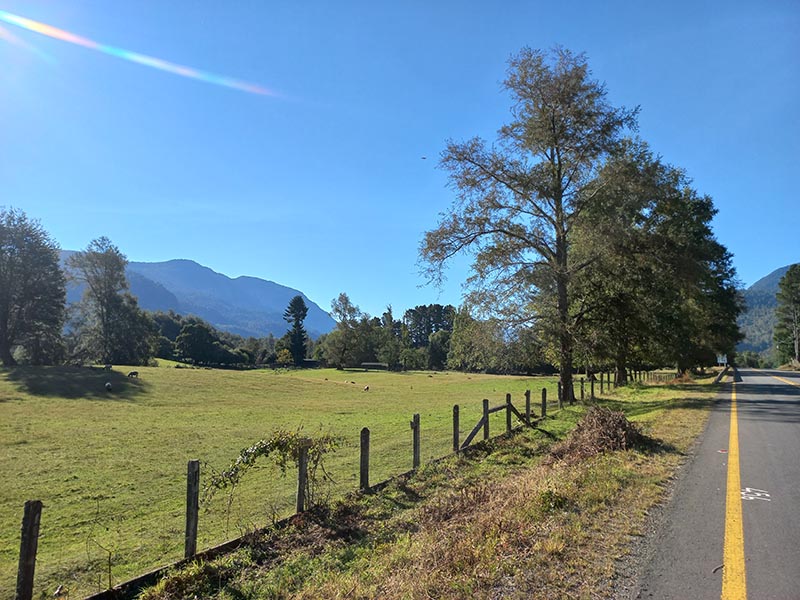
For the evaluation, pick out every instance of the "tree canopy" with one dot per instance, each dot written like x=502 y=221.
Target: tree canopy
x=32 y=291
x=295 y=314
x=110 y=326
x=518 y=200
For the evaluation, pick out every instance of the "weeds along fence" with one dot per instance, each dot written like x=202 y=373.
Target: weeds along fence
x=184 y=521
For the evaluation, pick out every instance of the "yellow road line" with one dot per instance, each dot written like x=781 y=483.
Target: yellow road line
x=734 y=584
x=785 y=380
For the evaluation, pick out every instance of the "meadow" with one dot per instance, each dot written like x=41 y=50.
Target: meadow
x=110 y=467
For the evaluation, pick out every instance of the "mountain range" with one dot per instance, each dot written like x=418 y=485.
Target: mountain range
x=247 y=306
x=757 y=321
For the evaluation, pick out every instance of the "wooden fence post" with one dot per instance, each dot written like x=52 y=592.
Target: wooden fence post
x=485 y=418
x=544 y=402
x=528 y=406
x=601 y=382
x=415 y=430
x=583 y=390
x=192 y=507
x=591 y=388
x=29 y=542
x=363 y=480
x=456 y=429
x=560 y=397
x=302 y=476
x=572 y=393
x=508 y=415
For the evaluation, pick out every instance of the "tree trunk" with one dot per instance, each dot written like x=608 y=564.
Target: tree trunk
x=565 y=337
x=621 y=372
x=5 y=354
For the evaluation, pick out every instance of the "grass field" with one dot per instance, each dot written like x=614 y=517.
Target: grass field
x=111 y=467
x=504 y=521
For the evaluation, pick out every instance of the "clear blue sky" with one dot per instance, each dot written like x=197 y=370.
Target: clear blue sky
x=323 y=187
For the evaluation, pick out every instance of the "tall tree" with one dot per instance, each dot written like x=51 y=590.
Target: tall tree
x=32 y=290
x=787 y=328
x=295 y=314
x=111 y=327
x=518 y=200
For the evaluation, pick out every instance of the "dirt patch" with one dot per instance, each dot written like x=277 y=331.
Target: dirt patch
x=600 y=430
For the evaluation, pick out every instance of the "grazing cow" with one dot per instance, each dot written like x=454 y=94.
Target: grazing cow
x=366 y=388
x=108 y=386
x=133 y=374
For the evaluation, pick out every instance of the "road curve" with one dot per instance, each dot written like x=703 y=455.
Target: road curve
x=688 y=553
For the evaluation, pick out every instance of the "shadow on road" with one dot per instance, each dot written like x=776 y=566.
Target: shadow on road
x=777 y=401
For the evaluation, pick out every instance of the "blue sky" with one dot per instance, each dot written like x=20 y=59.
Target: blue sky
x=323 y=187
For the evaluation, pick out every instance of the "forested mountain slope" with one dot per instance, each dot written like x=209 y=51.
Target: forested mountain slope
x=757 y=322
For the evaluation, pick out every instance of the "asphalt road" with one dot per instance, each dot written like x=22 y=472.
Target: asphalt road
x=688 y=553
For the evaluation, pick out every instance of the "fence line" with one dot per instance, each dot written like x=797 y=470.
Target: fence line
x=33 y=508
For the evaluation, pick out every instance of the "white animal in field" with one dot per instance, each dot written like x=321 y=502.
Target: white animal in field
x=366 y=388
x=133 y=374
x=108 y=386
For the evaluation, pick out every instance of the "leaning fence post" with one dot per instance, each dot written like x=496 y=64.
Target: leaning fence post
x=456 y=429
x=302 y=476
x=415 y=430
x=363 y=480
x=528 y=406
x=508 y=415
x=544 y=402
x=192 y=507
x=583 y=390
x=29 y=542
x=486 y=418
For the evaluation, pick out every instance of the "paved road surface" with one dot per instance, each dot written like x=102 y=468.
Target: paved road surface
x=710 y=505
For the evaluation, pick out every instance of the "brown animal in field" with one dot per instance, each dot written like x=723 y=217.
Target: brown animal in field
x=133 y=374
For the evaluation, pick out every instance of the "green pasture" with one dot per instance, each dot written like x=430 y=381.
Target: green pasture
x=110 y=467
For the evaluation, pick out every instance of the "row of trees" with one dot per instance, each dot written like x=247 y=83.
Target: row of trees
x=579 y=235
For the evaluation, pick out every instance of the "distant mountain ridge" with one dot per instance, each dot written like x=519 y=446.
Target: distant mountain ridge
x=757 y=322
x=247 y=306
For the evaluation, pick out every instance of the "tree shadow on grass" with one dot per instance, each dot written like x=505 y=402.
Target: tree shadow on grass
x=75 y=382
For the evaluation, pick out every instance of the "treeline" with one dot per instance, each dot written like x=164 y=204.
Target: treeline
x=431 y=336
x=107 y=325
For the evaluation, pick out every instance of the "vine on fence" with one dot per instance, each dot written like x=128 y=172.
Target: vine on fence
x=284 y=448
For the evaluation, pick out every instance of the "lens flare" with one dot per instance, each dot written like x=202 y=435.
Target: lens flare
x=8 y=36
x=142 y=59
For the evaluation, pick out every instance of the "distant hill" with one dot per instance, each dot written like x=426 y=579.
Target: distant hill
x=757 y=322
x=246 y=306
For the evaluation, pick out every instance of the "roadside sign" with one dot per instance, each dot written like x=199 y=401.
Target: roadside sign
x=722 y=359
